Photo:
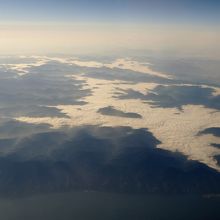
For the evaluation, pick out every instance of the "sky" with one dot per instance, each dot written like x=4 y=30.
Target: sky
x=45 y=26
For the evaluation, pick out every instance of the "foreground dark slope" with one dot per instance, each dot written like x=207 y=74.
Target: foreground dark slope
x=108 y=159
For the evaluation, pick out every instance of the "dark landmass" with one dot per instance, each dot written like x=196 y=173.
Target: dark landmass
x=216 y=145
x=102 y=159
x=111 y=111
x=191 y=69
x=10 y=128
x=31 y=111
x=126 y=75
x=217 y=157
x=31 y=95
x=214 y=131
x=176 y=96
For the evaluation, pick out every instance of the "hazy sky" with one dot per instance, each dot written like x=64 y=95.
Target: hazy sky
x=190 y=26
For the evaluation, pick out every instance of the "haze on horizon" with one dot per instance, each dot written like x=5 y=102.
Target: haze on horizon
x=175 y=27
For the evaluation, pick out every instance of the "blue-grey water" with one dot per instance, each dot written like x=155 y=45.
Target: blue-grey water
x=109 y=206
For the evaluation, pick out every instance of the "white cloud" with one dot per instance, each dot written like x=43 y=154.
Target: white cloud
x=176 y=130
